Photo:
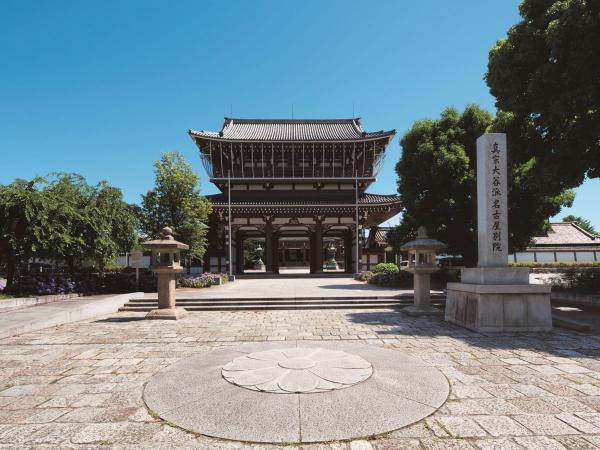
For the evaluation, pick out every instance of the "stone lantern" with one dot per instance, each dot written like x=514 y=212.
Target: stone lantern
x=421 y=263
x=259 y=265
x=166 y=263
x=331 y=263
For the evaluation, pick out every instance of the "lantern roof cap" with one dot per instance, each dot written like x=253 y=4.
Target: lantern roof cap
x=167 y=241
x=423 y=242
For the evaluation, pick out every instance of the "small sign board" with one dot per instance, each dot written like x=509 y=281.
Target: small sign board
x=137 y=259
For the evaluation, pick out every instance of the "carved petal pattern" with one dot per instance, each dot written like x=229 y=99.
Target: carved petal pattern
x=297 y=370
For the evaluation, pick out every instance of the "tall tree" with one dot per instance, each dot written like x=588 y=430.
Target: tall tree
x=583 y=223
x=437 y=182
x=545 y=73
x=175 y=201
x=113 y=225
x=23 y=213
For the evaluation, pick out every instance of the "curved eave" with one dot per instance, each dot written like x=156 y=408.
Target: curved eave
x=199 y=135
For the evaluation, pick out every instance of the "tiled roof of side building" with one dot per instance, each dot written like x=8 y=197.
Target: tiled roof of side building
x=291 y=130
x=566 y=233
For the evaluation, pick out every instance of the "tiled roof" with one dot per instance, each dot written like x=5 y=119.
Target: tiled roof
x=291 y=130
x=381 y=235
x=364 y=199
x=566 y=233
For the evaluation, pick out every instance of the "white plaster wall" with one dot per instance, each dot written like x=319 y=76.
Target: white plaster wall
x=524 y=257
x=565 y=256
x=545 y=256
x=585 y=256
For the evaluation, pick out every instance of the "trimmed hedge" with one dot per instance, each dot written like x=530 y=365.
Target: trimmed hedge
x=566 y=264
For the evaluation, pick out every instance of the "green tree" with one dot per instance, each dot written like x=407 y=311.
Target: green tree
x=545 y=73
x=64 y=219
x=437 y=182
x=583 y=223
x=112 y=227
x=23 y=213
x=175 y=201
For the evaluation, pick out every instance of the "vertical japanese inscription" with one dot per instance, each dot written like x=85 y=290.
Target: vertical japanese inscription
x=492 y=225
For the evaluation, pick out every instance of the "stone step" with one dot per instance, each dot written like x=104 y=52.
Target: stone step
x=275 y=306
x=401 y=297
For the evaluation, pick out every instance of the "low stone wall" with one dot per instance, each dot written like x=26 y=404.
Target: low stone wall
x=22 y=302
x=575 y=298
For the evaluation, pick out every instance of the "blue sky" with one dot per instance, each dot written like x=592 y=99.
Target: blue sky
x=101 y=88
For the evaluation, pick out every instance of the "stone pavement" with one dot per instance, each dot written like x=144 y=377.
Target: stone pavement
x=80 y=385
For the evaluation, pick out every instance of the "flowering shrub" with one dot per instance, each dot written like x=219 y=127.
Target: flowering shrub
x=202 y=280
x=48 y=283
x=363 y=276
x=197 y=281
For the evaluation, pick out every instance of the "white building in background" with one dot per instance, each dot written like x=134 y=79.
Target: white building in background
x=564 y=242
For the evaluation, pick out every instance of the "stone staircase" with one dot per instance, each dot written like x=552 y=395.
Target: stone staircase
x=278 y=303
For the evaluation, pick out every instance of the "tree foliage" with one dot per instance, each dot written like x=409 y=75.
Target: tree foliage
x=545 y=73
x=176 y=202
x=63 y=218
x=437 y=182
x=583 y=223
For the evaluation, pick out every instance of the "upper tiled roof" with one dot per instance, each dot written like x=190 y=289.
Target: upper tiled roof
x=291 y=130
x=566 y=233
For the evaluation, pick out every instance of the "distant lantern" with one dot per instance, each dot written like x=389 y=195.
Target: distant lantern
x=422 y=263
x=166 y=263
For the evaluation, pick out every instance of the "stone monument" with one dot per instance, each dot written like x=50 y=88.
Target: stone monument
x=493 y=296
x=421 y=263
x=165 y=263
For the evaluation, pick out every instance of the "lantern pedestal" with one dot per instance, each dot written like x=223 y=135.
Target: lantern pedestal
x=166 y=264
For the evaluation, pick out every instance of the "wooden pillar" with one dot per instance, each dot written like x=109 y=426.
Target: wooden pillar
x=318 y=247
x=239 y=252
x=311 y=252
x=348 y=252
x=275 y=253
x=269 y=245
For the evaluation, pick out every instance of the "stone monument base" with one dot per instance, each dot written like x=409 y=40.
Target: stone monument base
x=499 y=307
x=166 y=313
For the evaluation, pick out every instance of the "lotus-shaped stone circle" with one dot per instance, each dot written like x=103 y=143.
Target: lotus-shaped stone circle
x=297 y=370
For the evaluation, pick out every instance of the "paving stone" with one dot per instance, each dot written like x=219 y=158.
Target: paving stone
x=501 y=426
x=545 y=424
x=539 y=443
x=497 y=444
x=578 y=424
x=575 y=442
x=460 y=427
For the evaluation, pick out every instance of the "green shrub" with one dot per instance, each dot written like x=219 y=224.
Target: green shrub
x=386 y=268
x=580 y=280
x=401 y=279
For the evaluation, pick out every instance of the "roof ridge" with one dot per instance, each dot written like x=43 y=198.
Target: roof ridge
x=352 y=121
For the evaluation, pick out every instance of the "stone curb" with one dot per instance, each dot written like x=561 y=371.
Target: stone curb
x=13 y=323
